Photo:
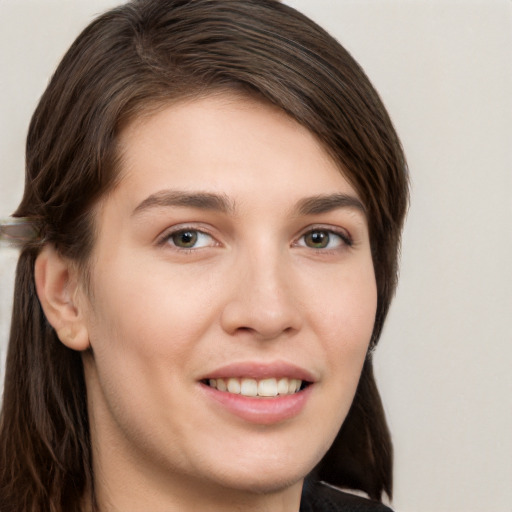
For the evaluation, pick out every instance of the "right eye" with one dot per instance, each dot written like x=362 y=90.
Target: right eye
x=189 y=239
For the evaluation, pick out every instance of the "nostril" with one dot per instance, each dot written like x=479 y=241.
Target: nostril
x=264 y=318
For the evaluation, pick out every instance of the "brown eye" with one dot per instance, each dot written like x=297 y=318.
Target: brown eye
x=317 y=239
x=188 y=239
x=185 y=239
x=324 y=239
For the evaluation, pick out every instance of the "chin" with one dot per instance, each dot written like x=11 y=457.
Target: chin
x=265 y=477
x=265 y=484
x=268 y=465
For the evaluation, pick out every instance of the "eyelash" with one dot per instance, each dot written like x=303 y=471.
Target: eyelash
x=344 y=237
x=167 y=238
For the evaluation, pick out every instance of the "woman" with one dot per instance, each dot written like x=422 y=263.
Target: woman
x=218 y=195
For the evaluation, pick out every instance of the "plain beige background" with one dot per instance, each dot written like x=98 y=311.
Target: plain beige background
x=444 y=70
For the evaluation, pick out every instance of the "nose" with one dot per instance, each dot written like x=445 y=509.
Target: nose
x=263 y=301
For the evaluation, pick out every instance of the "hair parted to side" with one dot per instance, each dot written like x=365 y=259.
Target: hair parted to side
x=132 y=59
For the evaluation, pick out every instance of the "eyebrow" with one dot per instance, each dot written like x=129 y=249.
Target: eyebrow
x=325 y=203
x=314 y=205
x=201 y=200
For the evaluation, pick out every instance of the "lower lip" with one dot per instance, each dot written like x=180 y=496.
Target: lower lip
x=261 y=411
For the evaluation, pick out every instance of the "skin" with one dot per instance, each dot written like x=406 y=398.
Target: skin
x=254 y=289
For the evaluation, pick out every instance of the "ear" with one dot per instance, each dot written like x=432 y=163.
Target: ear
x=58 y=290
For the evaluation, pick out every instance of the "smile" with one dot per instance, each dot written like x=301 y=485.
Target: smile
x=268 y=387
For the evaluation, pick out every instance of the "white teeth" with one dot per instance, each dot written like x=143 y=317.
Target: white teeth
x=267 y=387
x=294 y=385
x=271 y=387
x=282 y=386
x=233 y=386
x=249 y=387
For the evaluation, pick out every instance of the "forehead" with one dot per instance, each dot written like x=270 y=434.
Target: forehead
x=224 y=142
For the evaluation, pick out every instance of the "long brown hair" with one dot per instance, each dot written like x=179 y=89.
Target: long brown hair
x=131 y=59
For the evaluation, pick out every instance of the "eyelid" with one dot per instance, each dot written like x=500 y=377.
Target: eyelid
x=163 y=239
x=336 y=230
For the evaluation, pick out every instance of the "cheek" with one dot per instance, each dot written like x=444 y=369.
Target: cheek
x=347 y=304
x=141 y=337
x=147 y=327
x=144 y=319
x=147 y=299
x=346 y=317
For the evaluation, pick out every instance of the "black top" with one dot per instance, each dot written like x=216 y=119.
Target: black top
x=318 y=497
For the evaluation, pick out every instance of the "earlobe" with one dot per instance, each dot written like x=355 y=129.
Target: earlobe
x=57 y=288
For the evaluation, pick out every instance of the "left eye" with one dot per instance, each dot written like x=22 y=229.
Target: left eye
x=190 y=239
x=321 y=239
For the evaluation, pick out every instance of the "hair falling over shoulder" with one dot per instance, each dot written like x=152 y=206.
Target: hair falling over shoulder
x=131 y=59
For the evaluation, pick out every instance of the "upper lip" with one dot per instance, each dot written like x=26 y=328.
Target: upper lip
x=261 y=370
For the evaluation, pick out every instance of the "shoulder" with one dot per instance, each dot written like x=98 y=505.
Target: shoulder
x=318 y=497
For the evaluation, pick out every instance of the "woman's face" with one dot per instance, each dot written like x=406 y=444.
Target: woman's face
x=232 y=260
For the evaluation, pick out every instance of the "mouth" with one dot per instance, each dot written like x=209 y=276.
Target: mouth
x=272 y=387
x=262 y=393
